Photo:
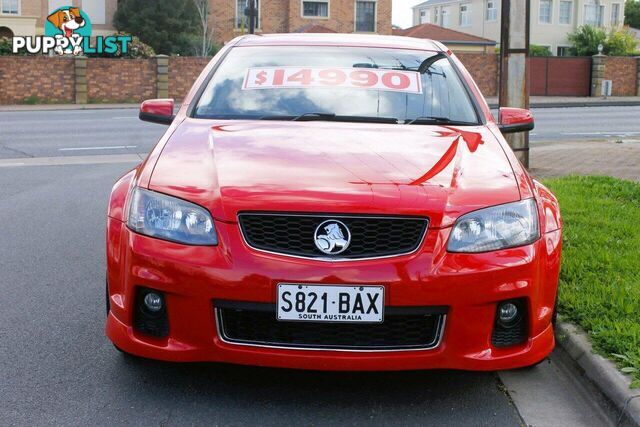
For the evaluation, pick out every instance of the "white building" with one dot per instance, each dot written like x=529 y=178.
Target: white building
x=551 y=20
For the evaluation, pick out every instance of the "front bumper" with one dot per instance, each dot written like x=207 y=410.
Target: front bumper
x=469 y=285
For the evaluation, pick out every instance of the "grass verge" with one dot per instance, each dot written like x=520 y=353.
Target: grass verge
x=600 y=275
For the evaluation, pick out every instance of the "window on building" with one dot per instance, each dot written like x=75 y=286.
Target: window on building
x=242 y=21
x=366 y=16
x=10 y=7
x=465 y=15
x=492 y=11
x=565 y=12
x=593 y=14
x=544 y=15
x=424 y=16
x=615 y=14
x=315 y=9
x=444 y=15
x=96 y=10
x=435 y=17
x=565 y=51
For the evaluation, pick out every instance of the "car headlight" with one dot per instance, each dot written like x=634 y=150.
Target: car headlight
x=165 y=217
x=497 y=227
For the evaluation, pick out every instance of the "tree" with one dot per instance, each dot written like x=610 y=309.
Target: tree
x=585 y=40
x=165 y=25
x=206 y=46
x=632 y=13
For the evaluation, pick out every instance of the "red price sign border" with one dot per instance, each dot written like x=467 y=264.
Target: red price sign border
x=411 y=74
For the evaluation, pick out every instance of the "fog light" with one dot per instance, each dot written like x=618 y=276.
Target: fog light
x=507 y=314
x=510 y=326
x=153 y=302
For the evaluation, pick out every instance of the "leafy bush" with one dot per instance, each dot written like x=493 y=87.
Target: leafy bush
x=585 y=41
x=5 y=46
x=620 y=42
x=537 y=50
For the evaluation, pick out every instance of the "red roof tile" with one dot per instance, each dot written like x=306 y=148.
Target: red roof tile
x=441 y=34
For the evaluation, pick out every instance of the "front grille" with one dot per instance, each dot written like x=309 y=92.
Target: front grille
x=371 y=236
x=402 y=329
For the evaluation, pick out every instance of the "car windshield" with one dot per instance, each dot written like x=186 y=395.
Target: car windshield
x=336 y=83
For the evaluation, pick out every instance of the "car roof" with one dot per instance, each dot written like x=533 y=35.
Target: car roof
x=338 y=39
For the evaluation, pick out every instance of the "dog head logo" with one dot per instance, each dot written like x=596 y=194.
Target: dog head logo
x=67 y=20
x=69 y=25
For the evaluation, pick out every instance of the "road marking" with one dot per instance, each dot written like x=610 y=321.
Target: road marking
x=123 y=118
x=602 y=133
x=70 y=160
x=112 y=147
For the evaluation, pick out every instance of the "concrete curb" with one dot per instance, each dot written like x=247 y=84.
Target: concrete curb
x=602 y=372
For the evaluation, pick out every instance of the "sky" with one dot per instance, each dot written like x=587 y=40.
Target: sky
x=401 y=15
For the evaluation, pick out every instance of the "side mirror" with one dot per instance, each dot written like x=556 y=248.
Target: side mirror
x=157 y=111
x=512 y=120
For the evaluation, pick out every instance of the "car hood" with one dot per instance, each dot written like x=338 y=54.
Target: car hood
x=436 y=171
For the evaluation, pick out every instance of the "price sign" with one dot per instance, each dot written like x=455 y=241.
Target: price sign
x=358 y=78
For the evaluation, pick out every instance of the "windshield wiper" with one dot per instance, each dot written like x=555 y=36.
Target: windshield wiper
x=314 y=116
x=307 y=117
x=434 y=120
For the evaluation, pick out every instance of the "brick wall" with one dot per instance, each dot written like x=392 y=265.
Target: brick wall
x=117 y=80
x=222 y=20
x=183 y=71
x=52 y=80
x=39 y=79
x=341 y=16
x=283 y=16
x=273 y=16
x=484 y=70
x=622 y=71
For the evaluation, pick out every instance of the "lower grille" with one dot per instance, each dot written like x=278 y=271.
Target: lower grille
x=402 y=329
x=503 y=337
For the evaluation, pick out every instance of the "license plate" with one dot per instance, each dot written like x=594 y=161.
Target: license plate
x=316 y=303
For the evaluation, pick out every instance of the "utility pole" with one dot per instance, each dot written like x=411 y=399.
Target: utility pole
x=514 y=74
x=251 y=12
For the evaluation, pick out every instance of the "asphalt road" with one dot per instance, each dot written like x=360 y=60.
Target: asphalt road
x=57 y=368
x=591 y=123
x=89 y=132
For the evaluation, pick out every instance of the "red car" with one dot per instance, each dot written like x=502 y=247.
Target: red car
x=335 y=202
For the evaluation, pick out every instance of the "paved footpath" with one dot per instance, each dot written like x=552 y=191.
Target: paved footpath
x=618 y=159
